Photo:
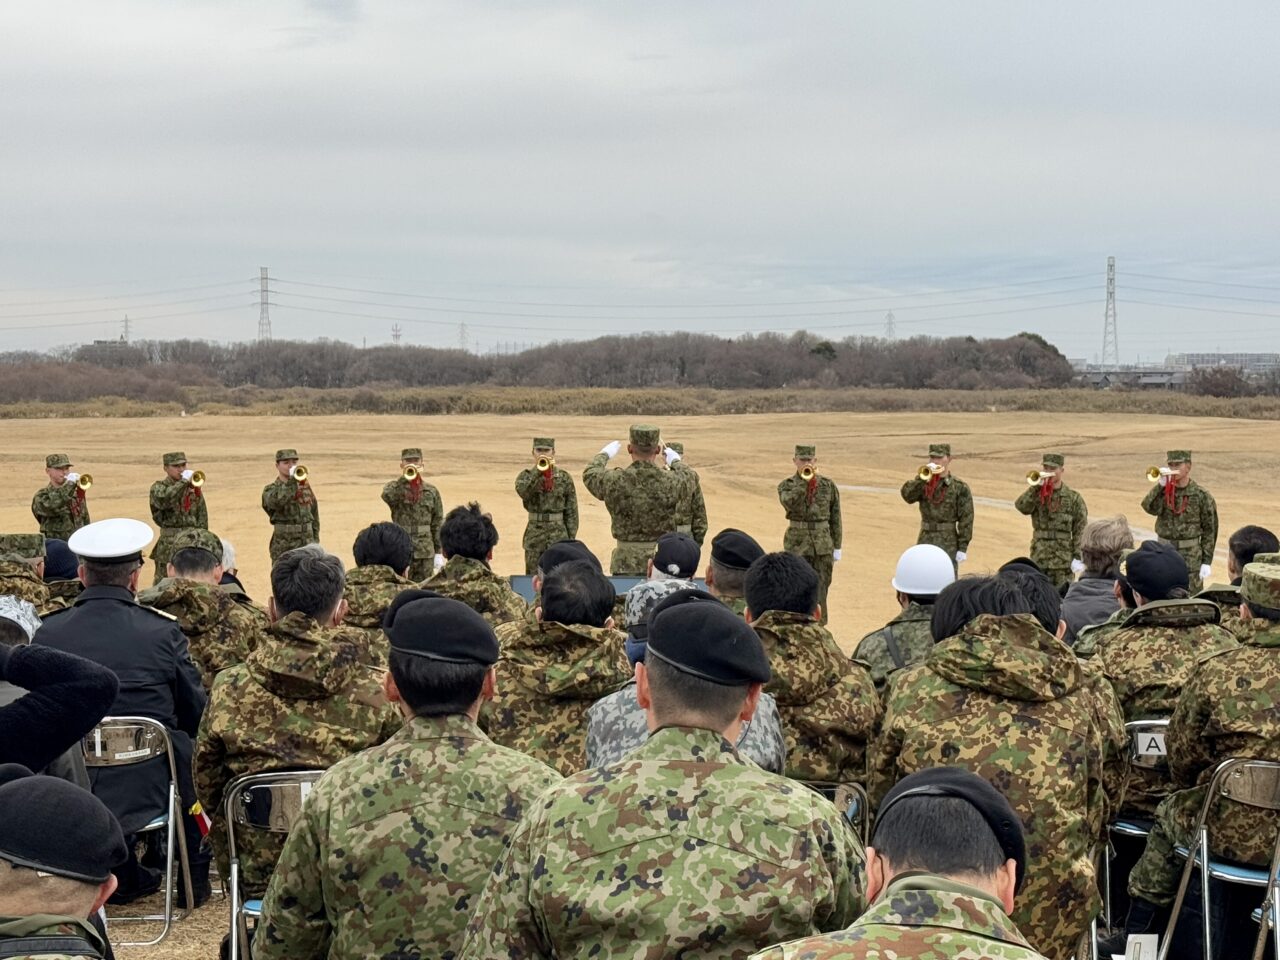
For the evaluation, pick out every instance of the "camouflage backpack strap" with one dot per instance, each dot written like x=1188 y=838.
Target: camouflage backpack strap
x=894 y=651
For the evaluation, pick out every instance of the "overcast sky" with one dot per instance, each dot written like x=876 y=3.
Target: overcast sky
x=969 y=166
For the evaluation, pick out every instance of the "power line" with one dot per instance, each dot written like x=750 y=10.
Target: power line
x=113 y=309
x=1208 y=296
x=1215 y=283
x=1184 y=306
x=121 y=296
x=132 y=320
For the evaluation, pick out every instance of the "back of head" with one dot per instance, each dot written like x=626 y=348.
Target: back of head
x=782 y=582
x=468 y=532
x=1155 y=571
x=562 y=551
x=309 y=581
x=577 y=593
x=193 y=563
x=383 y=544
x=1103 y=543
x=923 y=571
x=1039 y=591
x=59 y=562
x=1246 y=543
x=971 y=597
x=440 y=652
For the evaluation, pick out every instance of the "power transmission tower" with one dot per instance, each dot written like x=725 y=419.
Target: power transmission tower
x=890 y=326
x=462 y=337
x=395 y=334
x=125 y=335
x=1110 y=341
x=264 y=316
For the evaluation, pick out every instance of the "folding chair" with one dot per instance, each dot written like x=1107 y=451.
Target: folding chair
x=850 y=799
x=1147 y=751
x=1268 y=915
x=1253 y=783
x=259 y=801
x=126 y=741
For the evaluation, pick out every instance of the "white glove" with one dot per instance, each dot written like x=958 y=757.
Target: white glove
x=72 y=477
x=439 y=561
x=188 y=474
x=835 y=554
x=611 y=448
x=1077 y=566
x=671 y=455
x=1163 y=481
x=933 y=466
x=961 y=556
x=1206 y=571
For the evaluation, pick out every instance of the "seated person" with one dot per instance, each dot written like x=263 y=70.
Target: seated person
x=383 y=554
x=467 y=538
x=922 y=573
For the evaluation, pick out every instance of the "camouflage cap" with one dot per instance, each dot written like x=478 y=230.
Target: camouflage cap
x=677 y=446
x=1179 y=456
x=644 y=435
x=411 y=453
x=287 y=453
x=1260 y=584
x=1053 y=460
x=939 y=449
x=21 y=546
x=57 y=460
x=176 y=459
x=193 y=538
x=544 y=443
x=806 y=451
x=1266 y=558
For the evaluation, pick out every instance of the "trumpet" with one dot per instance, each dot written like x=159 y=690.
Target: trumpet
x=197 y=479
x=928 y=471
x=807 y=473
x=1155 y=473
x=299 y=473
x=1037 y=478
x=411 y=473
x=544 y=464
x=85 y=481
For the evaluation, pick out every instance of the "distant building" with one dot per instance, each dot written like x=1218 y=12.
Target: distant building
x=1136 y=378
x=1252 y=364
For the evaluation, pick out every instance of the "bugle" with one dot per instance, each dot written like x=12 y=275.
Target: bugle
x=1155 y=473
x=411 y=473
x=928 y=471
x=85 y=481
x=197 y=479
x=544 y=464
x=807 y=473
x=1036 y=478
x=299 y=473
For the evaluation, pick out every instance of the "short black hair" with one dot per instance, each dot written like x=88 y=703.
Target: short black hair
x=945 y=836
x=194 y=561
x=969 y=597
x=436 y=687
x=1258 y=610
x=922 y=599
x=307 y=580
x=1247 y=542
x=383 y=544
x=1039 y=591
x=577 y=593
x=782 y=582
x=467 y=532
x=12 y=634
x=1126 y=595
x=677 y=694
x=730 y=581
x=99 y=574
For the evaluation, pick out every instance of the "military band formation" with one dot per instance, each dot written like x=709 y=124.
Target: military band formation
x=651 y=774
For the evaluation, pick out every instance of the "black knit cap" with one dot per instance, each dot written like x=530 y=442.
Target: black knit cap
x=562 y=551
x=698 y=635
x=59 y=562
x=422 y=623
x=51 y=825
x=1021 y=563
x=1153 y=570
x=734 y=549
x=974 y=790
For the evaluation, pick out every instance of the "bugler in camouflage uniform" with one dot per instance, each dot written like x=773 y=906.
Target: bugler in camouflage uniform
x=416 y=506
x=472 y=582
x=691 y=516
x=301 y=699
x=946 y=506
x=1229 y=708
x=19 y=555
x=292 y=506
x=1058 y=518
x=177 y=504
x=1186 y=517
x=60 y=506
x=551 y=501
x=643 y=500
x=1008 y=701
x=814 y=530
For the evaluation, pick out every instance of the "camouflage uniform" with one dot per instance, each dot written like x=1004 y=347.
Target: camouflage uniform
x=691 y=515
x=300 y=700
x=220 y=632
x=813 y=528
x=1008 y=701
x=549 y=676
x=553 y=513
x=17 y=576
x=43 y=925
x=63 y=592
x=904 y=640
x=923 y=917
x=473 y=583
x=1228 y=709
x=416 y=506
x=175 y=506
x=946 y=512
x=828 y=704
x=1190 y=526
x=737 y=604
x=1056 y=527
x=643 y=502
x=1092 y=637
x=682 y=849
x=294 y=512
x=1148 y=661
x=369 y=591
x=1226 y=597
x=395 y=844
x=60 y=510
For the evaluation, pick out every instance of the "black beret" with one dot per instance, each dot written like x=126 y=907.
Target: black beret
x=1154 y=570
x=978 y=793
x=677 y=555
x=422 y=623
x=734 y=549
x=1025 y=563
x=562 y=551
x=51 y=825
x=698 y=635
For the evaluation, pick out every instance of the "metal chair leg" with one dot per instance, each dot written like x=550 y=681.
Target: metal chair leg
x=1205 y=926
x=233 y=882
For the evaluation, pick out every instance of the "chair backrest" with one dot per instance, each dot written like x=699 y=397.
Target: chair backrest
x=523 y=585
x=124 y=741
x=1148 y=749
x=266 y=801
x=1255 y=783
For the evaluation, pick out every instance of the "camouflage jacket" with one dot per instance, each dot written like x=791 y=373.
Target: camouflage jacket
x=923 y=917
x=1008 y=701
x=691 y=515
x=60 y=511
x=904 y=640
x=42 y=926
x=220 y=632
x=682 y=849
x=395 y=844
x=616 y=725
x=302 y=699
x=473 y=583
x=18 y=579
x=289 y=503
x=946 y=519
x=1227 y=598
x=1149 y=660
x=417 y=508
x=643 y=500
x=561 y=499
x=369 y=591
x=64 y=591
x=1091 y=637
x=176 y=504
x=549 y=676
x=1056 y=526
x=828 y=703
x=1198 y=522
x=737 y=604
x=814 y=528
x=235 y=590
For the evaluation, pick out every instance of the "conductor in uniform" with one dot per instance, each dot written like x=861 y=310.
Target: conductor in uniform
x=291 y=504
x=549 y=497
x=814 y=531
x=416 y=506
x=1186 y=516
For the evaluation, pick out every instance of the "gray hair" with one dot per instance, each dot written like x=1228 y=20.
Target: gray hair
x=228 y=555
x=1102 y=543
x=308 y=580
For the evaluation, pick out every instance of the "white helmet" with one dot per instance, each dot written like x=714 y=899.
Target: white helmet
x=923 y=570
